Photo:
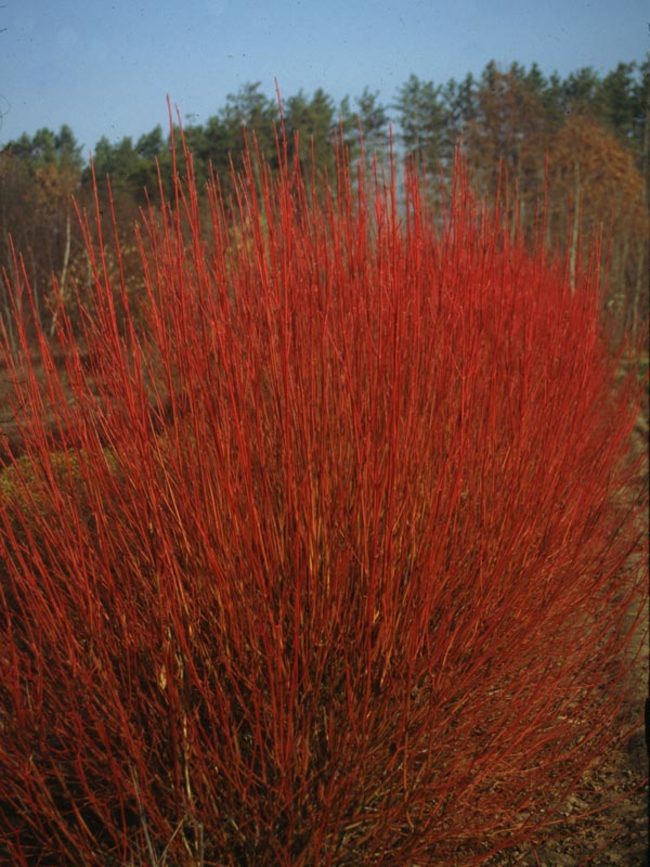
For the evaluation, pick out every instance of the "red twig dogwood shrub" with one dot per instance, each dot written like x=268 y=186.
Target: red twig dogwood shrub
x=325 y=564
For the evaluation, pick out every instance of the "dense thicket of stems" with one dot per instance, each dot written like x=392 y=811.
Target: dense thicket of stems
x=325 y=564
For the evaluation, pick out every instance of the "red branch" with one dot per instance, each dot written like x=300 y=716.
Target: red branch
x=326 y=564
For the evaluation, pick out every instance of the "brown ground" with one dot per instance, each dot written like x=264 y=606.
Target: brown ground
x=615 y=835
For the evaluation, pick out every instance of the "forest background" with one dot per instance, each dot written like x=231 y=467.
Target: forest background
x=579 y=144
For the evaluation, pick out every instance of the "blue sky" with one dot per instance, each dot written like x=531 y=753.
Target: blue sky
x=105 y=66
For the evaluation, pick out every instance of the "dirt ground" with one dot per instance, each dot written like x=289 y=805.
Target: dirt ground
x=616 y=832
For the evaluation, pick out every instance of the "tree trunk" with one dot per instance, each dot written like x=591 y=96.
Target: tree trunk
x=575 y=233
x=638 y=289
x=62 y=280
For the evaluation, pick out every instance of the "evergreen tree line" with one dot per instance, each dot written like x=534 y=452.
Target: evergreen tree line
x=580 y=143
